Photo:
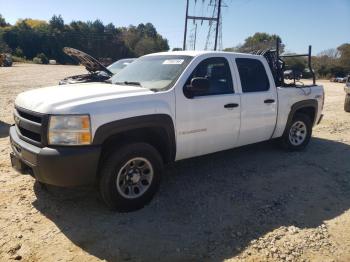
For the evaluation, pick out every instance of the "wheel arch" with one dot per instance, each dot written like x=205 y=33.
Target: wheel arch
x=156 y=129
x=308 y=107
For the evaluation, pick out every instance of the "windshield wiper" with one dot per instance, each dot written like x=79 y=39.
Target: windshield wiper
x=128 y=83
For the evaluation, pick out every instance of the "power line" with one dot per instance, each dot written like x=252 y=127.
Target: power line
x=214 y=19
x=208 y=41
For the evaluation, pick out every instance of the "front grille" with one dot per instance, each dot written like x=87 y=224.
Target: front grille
x=30 y=117
x=34 y=136
x=29 y=126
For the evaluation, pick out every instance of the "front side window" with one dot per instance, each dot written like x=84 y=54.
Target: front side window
x=157 y=73
x=253 y=75
x=217 y=71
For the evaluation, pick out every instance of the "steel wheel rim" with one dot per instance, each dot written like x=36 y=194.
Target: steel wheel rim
x=134 y=178
x=297 y=133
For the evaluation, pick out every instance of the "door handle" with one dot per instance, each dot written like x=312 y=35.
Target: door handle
x=269 y=101
x=232 y=105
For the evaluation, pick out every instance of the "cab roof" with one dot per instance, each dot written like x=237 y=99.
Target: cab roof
x=198 y=53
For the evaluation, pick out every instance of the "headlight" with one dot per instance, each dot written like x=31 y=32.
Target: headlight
x=69 y=130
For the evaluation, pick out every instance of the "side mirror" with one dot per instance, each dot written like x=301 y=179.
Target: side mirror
x=198 y=85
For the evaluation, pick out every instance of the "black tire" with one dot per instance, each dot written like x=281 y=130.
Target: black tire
x=289 y=142
x=347 y=103
x=115 y=163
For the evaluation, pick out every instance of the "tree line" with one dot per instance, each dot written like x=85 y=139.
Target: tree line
x=32 y=38
x=41 y=40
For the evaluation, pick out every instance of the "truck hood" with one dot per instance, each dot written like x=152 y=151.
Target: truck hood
x=90 y=63
x=60 y=99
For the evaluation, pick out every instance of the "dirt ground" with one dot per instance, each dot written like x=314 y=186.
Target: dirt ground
x=255 y=203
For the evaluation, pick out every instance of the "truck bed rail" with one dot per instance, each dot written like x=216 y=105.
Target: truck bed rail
x=277 y=64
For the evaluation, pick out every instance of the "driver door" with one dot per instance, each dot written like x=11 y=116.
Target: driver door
x=210 y=120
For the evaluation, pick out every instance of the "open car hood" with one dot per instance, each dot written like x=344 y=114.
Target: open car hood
x=90 y=63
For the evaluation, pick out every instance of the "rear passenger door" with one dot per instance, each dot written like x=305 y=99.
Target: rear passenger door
x=258 y=101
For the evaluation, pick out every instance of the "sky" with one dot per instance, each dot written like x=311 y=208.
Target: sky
x=322 y=23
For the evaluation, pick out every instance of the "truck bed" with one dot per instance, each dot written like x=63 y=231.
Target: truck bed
x=288 y=96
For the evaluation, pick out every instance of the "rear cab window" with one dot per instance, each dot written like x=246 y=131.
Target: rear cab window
x=253 y=75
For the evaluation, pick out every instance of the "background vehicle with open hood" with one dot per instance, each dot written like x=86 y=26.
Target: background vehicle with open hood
x=97 y=71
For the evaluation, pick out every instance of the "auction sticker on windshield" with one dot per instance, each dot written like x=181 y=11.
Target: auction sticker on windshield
x=173 y=62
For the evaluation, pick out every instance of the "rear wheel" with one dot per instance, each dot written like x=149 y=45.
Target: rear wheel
x=347 y=103
x=298 y=133
x=130 y=176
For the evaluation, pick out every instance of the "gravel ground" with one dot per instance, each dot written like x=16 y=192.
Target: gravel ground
x=255 y=203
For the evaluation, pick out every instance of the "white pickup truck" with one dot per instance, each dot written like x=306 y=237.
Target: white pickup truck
x=163 y=107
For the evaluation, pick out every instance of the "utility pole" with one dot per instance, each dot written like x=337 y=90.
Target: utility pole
x=202 y=18
x=185 y=33
x=217 y=25
x=195 y=37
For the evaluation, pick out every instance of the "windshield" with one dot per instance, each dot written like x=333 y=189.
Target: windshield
x=119 y=65
x=153 y=72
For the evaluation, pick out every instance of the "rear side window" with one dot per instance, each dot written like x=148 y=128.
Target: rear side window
x=253 y=75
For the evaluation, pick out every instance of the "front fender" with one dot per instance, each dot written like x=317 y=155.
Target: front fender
x=161 y=121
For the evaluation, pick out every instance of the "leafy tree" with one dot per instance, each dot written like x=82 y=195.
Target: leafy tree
x=97 y=26
x=57 y=22
x=161 y=43
x=18 y=52
x=297 y=64
x=330 y=62
x=337 y=70
x=34 y=37
x=232 y=49
x=145 y=46
x=344 y=59
x=33 y=23
x=43 y=58
x=147 y=30
x=259 y=41
x=144 y=39
x=333 y=62
x=4 y=48
x=110 y=28
x=332 y=53
x=3 y=22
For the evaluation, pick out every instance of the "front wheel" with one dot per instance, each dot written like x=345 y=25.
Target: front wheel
x=130 y=176
x=347 y=103
x=298 y=133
